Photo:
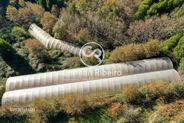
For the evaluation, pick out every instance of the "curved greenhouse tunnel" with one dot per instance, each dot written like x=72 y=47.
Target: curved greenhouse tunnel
x=25 y=89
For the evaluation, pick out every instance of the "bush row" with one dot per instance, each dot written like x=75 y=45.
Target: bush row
x=150 y=94
x=157 y=7
x=174 y=48
x=172 y=112
x=133 y=52
x=143 y=8
x=102 y=105
x=160 y=28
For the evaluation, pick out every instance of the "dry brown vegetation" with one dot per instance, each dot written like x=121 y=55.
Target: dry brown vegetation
x=172 y=112
x=30 y=13
x=132 y=52
x=128 y=103
x=33 y=46
x=160 y=28
x=115 y=109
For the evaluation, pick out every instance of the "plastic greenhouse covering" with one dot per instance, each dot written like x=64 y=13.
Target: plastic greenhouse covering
x=87 y=73
x=25 y=96
x=26 y=88
x=50 y=42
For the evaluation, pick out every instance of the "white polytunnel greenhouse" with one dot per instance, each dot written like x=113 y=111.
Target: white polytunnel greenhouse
x=87 y=73
x=50 y=42
x=25 y=96
x=26 y=88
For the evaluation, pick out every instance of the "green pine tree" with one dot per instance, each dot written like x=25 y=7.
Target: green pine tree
x=49 y=4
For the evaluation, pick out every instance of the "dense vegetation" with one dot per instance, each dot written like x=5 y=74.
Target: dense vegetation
x=159 y=7
x=158 y=102
x=127 y=30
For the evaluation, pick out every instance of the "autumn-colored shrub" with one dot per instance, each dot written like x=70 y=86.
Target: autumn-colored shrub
x=153 y=28
x=30 y=13
x=133 y=52
x=160 y=28
x=43 y=110
x=103 y=21
x=73 y=103
x=125 y=53
x=59 y=29
x=152 y=48
x=48 y=21
x=72 y=29
x=32 y=44
x=172 y=112
x=129 y=92
x=12 y=13
x=99 y=98
x=37 y=49
x=12 y=111
x=151 y=93
x=110 y=9
x=66 y=27
x=106 y=9
x=155 y=92
x=132 y=114
x=72 y=62
x=83 y=36
x=55 y=10
x=115 y=109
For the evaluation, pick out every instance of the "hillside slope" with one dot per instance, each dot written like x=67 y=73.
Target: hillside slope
x=128 y=30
